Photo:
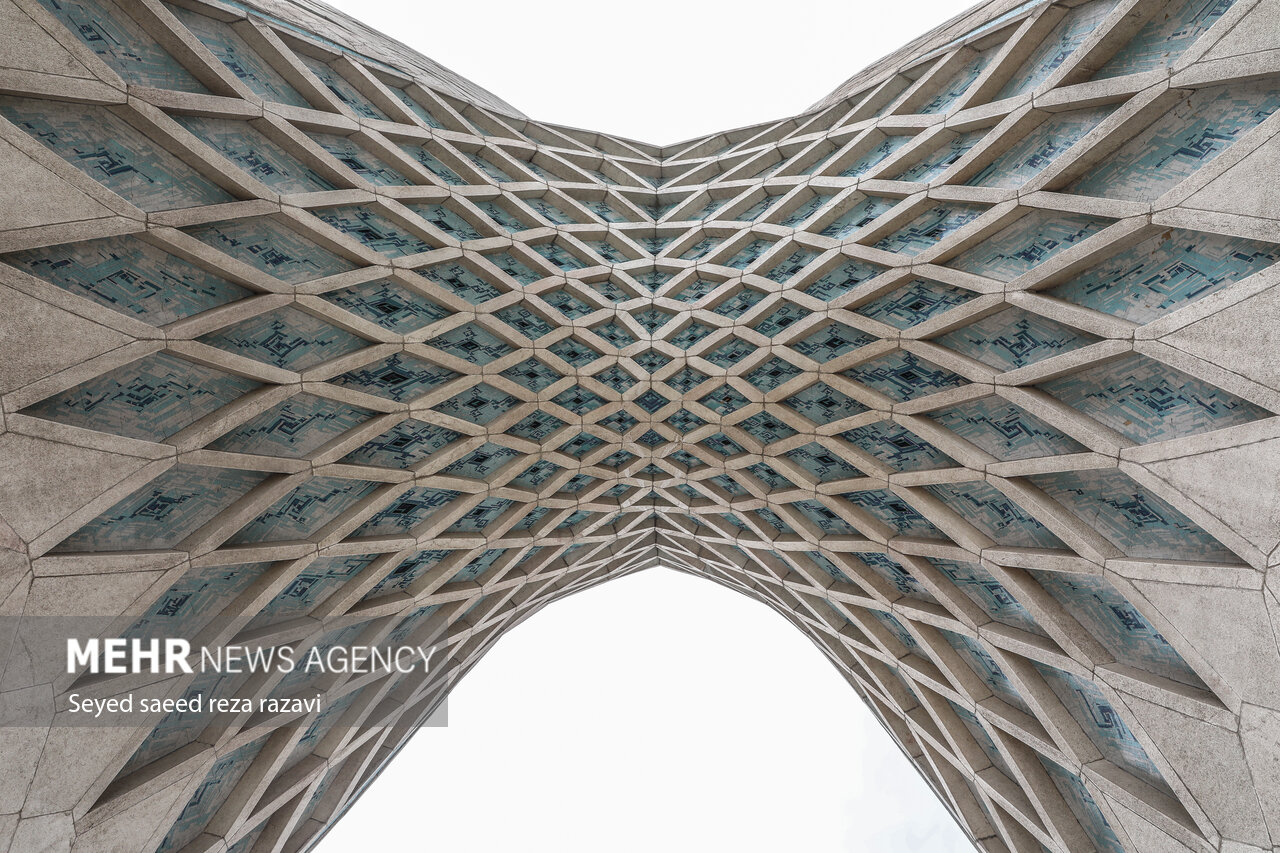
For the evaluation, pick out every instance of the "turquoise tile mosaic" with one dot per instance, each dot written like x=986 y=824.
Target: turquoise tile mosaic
x=897 y=447
x=233 y=51
x=863 y=211
x=131 y=276
x=927 y=229
x=294 y=428
x=1032 y=239
x=472 y=343
x=1145 y=400
x=917 y=301
x=164 y=512
x=896 y=628
x=108 y=31
x=483 y=462
x=1103 y=724
x=873 y=157
x=242 y=144
x=893 y=572
x=480 y=404
x=194 y=600
x=1036 y=151
x=150 y=399
x=954 y=87
x=1117 y=624
x=1165 y=37
x=1182 y=141
x=903 y=376
x=985 y=667
x=392 y=306
x=1057 y=47
x=288 y=338
x=342 y=88
x=351 y=154
x=400 y=377
x=374 y=230
x=303 y=511
x=822 y=404
x=404 y=445
x=1014 y=338
x=1004 y=430
x=1165 y=272
x=114 y=153
x=462 y=281
x=988 y=593
x=209 y=796
x=273 y=247
x=895 y=512
x=933 y=163
x=996 y=515
x=1084 y=807
x=1134 y=520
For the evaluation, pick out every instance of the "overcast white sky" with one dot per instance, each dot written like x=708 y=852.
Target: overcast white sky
x=660 y=712
x=655 y=70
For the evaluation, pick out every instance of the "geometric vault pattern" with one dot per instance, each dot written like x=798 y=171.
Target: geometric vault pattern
x=313 y=342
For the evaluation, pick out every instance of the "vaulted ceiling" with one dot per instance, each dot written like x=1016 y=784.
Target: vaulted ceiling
x=311 y=342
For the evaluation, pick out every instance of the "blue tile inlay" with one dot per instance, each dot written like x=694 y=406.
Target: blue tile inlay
x=1182 y=141
x=897 y=447
x=272 y=247
x=895 y=512
x=930 y=227
x=1165 y=37
x=1146 y=400
x=390 y=305
x=403 y=446
x=1165 y=272
x=988 y=593
x=1117 y=624
x=1028 y=242
x=1135 y=521
x=400 y=377
x=293 y=428
x=242 y=144
x=1036 y=151
x=113 y=152
x=823 y=404
x=108 y=31
x=1103 y=724
x=985 y=667
x=373 y=230
x=164 y=512
x=353 y=155
x=405 y=513
x=1014 y=338
x=303 y=511
x=903 y=376
x=1004 y=430
x=241 y=60
x=914 y=302
x=1057 y=46
x=995 y=515
x=150 y=399
x=131 y=276
x=339 y=86
x=1084 y=807
x=287 y=338
x=479 y=404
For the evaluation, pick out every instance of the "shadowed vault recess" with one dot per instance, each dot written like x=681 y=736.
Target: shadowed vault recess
x=967 y=371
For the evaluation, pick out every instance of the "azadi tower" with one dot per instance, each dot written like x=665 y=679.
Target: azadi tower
x=969 y=371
